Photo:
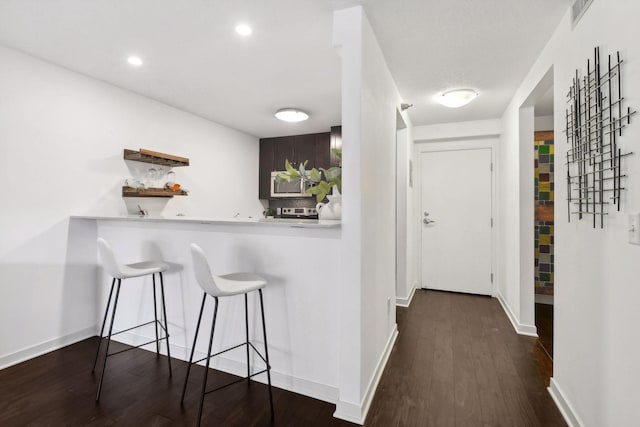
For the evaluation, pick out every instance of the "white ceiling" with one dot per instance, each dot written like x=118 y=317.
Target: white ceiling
x=196 y=62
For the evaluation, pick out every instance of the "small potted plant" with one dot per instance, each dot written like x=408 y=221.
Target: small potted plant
x=321 y=180
x=269 y=213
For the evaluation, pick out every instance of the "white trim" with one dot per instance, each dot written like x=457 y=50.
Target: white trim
x=563 y=405
x=406 y=302
x=288 y=382
x=469 y=129
x=46 y=347
x=358 y=413
x=349 y=412
x=521 y=329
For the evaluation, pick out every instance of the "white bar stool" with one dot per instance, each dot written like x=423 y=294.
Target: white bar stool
x=225 y=286
x=126 y=271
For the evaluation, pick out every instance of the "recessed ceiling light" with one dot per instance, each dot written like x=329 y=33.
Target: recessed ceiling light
x=243 y=30
x=457 y=97
x=291 y=115
x=134 y=60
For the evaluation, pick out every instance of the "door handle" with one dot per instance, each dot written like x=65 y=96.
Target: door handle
x=427 y=221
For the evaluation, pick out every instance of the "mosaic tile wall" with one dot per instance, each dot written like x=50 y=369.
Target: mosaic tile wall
x=544 y=195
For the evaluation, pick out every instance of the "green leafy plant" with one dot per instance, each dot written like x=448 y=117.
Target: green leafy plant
x=268 y=212
x=321 y=179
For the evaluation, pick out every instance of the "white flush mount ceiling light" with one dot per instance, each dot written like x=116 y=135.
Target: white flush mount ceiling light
x=457 y=97
x=134 y=61
x=244 y=30
x=291 y=115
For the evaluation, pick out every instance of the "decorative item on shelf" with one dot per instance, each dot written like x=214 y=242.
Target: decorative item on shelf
x=155 y=181
x=134 y=183
x=171 y=183
x=171 y=179
x=151 y=180
x=595 y=119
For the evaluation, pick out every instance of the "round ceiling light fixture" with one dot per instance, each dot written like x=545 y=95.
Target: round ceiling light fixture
x=244 y=30
x=134 y=60
x=291 y=115
x=457 y=97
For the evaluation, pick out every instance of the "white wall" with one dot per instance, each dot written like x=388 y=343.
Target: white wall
x=412 y=223
x=370 y=100
x=379 y=102
x=406 y=275
x=596 y=293
x=61 y=139
x=542 y=123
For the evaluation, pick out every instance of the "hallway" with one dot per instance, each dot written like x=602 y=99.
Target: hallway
x=457 y=362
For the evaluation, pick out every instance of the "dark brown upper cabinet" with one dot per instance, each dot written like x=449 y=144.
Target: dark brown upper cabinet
x=266 y=162
x=304 y=151
x=284 y=150
x=314 y=148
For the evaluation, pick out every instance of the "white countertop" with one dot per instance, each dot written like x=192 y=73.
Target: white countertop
x=270 y=222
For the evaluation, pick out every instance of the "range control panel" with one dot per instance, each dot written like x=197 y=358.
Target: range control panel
x=299 y=212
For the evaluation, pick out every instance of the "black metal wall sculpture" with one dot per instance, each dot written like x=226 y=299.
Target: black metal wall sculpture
x=595 y=119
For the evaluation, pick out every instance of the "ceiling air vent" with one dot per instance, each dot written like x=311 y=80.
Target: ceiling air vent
x=579 y=8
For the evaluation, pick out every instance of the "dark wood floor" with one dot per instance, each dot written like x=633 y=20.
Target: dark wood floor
x=544 y=324
x=457 y=362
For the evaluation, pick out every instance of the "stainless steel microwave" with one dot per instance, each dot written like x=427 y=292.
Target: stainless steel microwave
x=282 y=188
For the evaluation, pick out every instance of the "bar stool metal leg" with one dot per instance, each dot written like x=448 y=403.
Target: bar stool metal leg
x=106 y=312
x=106 y=353
x=206 y=371
x=266 y=352
x=166 y=324
x=193 y=348
x=246 y=323
x=155 y=313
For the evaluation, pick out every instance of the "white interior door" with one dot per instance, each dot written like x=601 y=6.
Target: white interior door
x=456 y=220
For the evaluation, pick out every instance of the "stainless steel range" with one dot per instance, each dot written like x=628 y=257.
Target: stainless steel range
x=309 y=213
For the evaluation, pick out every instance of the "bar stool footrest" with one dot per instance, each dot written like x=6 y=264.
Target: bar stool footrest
x=236 y=381
x=233 y=348
x=140 y=345
x=138 y=326
x=137 y=346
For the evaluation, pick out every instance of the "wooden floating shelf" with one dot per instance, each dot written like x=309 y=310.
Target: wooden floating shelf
x=155 y=158
x=151 y=192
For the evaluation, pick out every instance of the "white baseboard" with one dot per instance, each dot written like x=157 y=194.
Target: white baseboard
x=281 y=380
x=521 y=329
x=406 y=302
x=358 y=413
x=563 y=405
x=46 y=347
x=349 y=412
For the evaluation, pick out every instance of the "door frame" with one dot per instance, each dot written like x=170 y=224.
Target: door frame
x=459 y=144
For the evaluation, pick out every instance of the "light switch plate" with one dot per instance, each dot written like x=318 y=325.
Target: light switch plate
x=634 y=229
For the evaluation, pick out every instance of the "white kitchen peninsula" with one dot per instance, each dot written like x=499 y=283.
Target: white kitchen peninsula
x=300 y=260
